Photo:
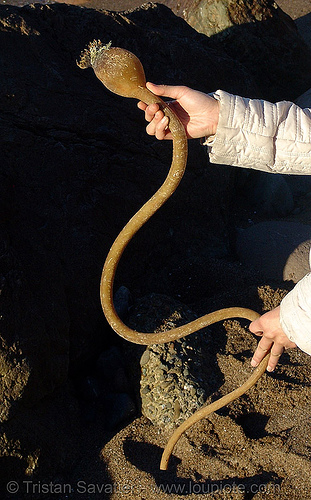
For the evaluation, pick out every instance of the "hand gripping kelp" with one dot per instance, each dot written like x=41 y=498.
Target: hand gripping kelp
x=122 y=73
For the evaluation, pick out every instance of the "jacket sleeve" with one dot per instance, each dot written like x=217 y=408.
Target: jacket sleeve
x=295 y=314
x=275 y=138
x=257 y=134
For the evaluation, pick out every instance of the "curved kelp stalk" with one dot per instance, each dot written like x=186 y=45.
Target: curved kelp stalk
x=122 y=73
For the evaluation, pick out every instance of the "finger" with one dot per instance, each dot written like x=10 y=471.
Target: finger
x=276 y=353
x=142 y=105
x=256 y=327
x=154 y=123
x=152 y=112
x=262 y=348
x=259 y=333
x=173 y=91
x=154 y=120
x=158 y=127
x=161 y=130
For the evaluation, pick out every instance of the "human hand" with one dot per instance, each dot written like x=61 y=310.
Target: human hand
x=197 y=111
x=273 y=337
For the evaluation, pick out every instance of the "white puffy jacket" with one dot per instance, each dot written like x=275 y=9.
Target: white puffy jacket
x=257 y=134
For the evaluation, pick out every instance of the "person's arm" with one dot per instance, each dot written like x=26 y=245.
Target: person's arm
x=286 y=326
x=257 y=134
x=275 y=138
x=295 y=314
x=249 y=133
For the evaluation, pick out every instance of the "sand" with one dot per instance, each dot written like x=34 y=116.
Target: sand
x=258 y=447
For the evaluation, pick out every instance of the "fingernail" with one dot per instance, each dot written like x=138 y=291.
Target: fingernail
x=269 y=369
x=164 y=119
x=254 y=363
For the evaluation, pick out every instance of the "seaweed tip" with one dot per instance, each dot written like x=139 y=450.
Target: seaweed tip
x=88 y=55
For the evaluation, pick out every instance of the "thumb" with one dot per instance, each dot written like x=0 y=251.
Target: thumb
x=172 y=91
x=256 y=327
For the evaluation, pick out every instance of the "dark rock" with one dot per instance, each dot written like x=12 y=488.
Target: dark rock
x=214 y=16
x=300 y=184
x=304 y=27
x=122 y=300
x=270 y=195
x=90 y=389
x=110 y=368
x=119 y=409
x=44 y=438
x=278 y=249
x=260 y=36
x=77 y=164
x=80 y=164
